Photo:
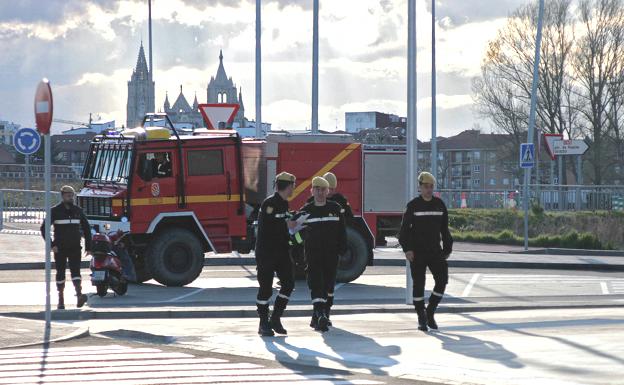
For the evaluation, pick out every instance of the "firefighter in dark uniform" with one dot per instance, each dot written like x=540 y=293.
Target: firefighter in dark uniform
x=335 y=196
x=70 y=224
x=272 y=255
x=425 y=223
x=325 y=239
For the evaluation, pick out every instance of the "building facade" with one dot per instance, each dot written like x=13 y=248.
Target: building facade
x=358 y=121
x=7 y=130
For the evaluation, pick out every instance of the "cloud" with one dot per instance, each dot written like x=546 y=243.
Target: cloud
x=88 y=49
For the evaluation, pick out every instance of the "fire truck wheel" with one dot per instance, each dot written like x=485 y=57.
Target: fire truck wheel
x=353 y=263
x=175 y=257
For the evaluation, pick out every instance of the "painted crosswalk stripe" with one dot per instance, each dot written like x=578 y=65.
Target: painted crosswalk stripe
x=604 y=287
x=470 y=284
x=94 y=365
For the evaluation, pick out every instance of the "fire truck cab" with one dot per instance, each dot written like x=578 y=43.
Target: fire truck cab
x=180 y=195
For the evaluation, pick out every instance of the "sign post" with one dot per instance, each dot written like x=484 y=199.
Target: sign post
x=43 y=117
x=412 y=142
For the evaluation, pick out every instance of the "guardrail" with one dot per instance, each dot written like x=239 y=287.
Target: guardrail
x=549 y=197
x=23 y=208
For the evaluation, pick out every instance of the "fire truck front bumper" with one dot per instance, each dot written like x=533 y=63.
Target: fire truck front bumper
x=99 y=226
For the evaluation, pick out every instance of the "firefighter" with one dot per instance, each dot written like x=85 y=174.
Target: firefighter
x=325 y=239
x=335 y=196
x=272 y=255
x=425 y=222
x=70 y=224
x=162 y=165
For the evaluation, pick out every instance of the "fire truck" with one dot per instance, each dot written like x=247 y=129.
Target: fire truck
x=178 y=195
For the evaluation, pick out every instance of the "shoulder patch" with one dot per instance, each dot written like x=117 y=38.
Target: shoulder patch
x=269 y=210
x=342 y=210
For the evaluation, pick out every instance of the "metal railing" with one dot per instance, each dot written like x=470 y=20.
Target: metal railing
x=23 y=208
x=549 y=197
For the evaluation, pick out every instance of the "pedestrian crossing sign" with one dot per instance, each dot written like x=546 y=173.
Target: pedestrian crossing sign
x=527 y=155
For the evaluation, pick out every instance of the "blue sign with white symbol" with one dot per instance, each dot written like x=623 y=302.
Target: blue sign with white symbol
x=527 y=155
x=26 y=141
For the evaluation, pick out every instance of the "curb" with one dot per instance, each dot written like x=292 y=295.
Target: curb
x=378 y=262
x=252 y=313
x=575 y=252
x=80 y=333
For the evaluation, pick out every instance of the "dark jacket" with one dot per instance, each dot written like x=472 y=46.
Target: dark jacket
x=424 y=225
x=342 y=201
x=70 y=224
x=273 y=234
x=325 y=233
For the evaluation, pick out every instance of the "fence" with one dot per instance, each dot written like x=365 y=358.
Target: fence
x=23 y=209
x=562 y=198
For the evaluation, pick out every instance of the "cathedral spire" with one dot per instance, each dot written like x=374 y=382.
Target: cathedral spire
x=195 y=103
x=240 y=100
x=167 y=104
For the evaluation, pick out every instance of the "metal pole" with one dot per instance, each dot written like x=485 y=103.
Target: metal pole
x=48 y=233
x=412 y=142
x=527 y=171
x=258 y=68
x=315 y=59
x=149 y=26
x=27 y=183
x=434 y=135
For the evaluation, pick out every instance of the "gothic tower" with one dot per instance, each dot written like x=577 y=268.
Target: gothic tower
x=222 y=89
x=140 y=92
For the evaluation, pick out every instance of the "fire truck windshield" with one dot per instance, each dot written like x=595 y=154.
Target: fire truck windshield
x=108 y=163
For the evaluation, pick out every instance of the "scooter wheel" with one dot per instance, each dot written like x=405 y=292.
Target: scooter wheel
x=121 y=288
x=102 y=289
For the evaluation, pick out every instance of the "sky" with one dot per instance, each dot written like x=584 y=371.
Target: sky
x=88 y=48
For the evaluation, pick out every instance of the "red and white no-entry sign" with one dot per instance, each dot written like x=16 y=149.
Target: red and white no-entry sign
x=216 y=113
x=43 y=107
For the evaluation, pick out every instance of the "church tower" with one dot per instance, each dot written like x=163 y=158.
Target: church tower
x=222 y=89
x=140 y=92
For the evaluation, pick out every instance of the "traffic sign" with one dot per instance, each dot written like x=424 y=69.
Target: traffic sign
x=43 y=106
x=216 y=113
x=26 y=141
x=550 y=146
x=570 y=147
x=527 y=155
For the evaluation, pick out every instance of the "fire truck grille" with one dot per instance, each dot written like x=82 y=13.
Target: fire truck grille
x=96 y=207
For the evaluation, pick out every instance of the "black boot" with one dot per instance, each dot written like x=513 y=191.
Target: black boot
x=278 y=311
x=328 y=306
x=61 y=299
x=81 y=298
x=314 y=321
x=434 y=301
x=319 y=312
x=264 y=329
x=422 y=316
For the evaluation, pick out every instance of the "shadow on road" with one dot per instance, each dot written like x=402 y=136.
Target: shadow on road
x=476 y=348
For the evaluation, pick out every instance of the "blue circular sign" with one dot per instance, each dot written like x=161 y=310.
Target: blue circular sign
x=27 y=141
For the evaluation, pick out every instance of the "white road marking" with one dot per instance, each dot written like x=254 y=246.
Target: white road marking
x=605 y=288
x=93 y=365
x=473 y=281
x=196 y=291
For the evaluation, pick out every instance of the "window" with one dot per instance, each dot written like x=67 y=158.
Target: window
x=205 y=162
x=505 y=181
x=476 y=168
x=492 y=182
x=492 y=168
x=476 y=182
x=477 y=155
x=492 y=155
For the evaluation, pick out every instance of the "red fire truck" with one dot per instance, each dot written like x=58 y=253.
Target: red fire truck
x=178 y=196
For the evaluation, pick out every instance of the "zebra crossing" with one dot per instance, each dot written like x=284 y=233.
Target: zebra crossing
x=600 y=285
x=123 y=365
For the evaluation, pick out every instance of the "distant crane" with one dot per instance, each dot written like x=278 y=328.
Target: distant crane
x=73 y=122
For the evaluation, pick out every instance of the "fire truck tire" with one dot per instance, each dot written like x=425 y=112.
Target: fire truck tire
x=353 y=263
x=175 y=257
